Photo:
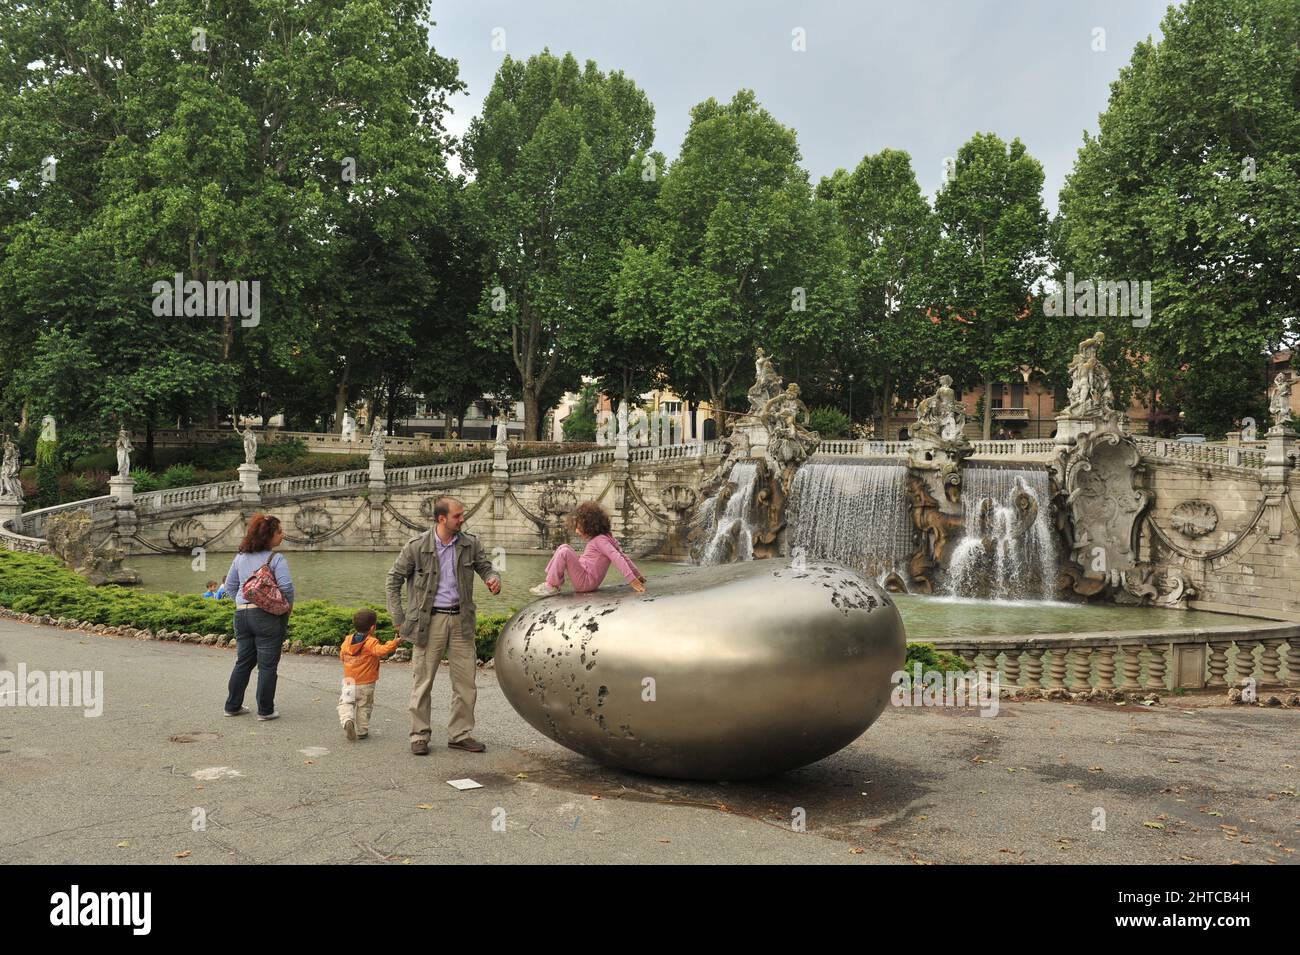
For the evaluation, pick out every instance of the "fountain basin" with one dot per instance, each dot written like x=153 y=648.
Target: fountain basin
x=727 y=672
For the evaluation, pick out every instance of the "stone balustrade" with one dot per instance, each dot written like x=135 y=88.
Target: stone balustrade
x=1140 y=661
x=1219 y=454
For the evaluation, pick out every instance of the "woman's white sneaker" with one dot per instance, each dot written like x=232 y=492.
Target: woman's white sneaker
x=544 y=590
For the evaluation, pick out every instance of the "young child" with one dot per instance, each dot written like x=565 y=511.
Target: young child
x=211 y=593
x=361 y=653
x=586 y=572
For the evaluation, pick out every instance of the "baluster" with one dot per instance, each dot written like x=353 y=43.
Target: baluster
x=1034 y=667
x=1243 y=667
x=1132 y=665
x=1056 y=669
x=1105 y=668
x=1011 y=667
x=1082 y=670
x=987 y=660
x=1293 y=661
x=1156 y=668
x=1218 y=664
x=1269 y=661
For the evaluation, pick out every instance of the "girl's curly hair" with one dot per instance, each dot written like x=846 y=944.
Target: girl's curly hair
x=590 y=518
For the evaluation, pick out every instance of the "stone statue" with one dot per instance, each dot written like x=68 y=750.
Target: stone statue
x=124 y=450
x=349 y=433
x=767 y=383
x=1279 y=401
x=622 y=419
x=48 y=430
x=940 y=416
x=789 y=443
x=11 y=488
x=70 y=536
x=501 y=433
x=377 y=438
x=250 y=443
x=1090 y=394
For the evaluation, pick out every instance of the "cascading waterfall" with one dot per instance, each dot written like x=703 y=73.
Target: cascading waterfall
x=854 y=513
x=731 y=537
x=1006 y=553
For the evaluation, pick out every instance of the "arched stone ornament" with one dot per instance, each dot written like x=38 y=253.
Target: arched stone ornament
x=186 y=533
x=313 y=521
x=1105 y=506
x=557 y=499
x=678 y=499
x=1194 y=518
x=426 y=506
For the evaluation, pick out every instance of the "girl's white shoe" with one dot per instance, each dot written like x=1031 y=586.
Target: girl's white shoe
x=544 y=589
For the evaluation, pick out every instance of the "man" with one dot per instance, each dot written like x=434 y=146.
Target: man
x=437 y=568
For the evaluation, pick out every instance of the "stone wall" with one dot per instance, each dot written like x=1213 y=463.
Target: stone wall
x=1216 y=526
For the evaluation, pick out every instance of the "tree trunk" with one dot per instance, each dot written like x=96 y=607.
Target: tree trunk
x=148 y=444
x=532 y=423
x=887 y=405
x=1151 y=415
x=988 y=408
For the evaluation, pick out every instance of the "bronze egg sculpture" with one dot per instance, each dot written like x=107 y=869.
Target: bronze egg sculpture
x=717 y=673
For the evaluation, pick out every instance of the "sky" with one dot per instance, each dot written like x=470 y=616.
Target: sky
x=918 y=75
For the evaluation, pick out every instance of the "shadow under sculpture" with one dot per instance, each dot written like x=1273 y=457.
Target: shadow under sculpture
x=728 y=672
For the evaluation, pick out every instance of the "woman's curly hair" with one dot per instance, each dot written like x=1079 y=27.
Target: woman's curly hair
x=260 y=533
x=590 y=518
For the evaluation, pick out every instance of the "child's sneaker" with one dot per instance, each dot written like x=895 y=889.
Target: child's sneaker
x=544 y=590
x=350 y=728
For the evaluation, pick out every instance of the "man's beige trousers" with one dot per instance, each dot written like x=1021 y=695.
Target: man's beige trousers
x=444 y=635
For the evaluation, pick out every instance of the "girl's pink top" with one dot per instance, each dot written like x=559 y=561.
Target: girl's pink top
x=601 y=551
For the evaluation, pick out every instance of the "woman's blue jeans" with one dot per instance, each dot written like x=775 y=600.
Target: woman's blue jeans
x=259 y=638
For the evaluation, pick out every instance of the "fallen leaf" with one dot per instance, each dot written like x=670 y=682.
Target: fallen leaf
x=1154 y=825
x=124 y=844
x=521 y=775
x=1094 y=769
x=665 y=840
x=183 y=855
x=857 y=851
x=424 y=805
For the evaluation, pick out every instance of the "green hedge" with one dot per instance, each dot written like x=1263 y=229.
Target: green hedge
x=38 y=584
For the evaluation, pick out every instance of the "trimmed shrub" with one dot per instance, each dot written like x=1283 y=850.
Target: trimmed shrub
x=829 y=423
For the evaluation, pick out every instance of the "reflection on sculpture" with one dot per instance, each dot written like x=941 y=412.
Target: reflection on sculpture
x=1279 y=401
x=11 y=488
x=627 y=680
x=124 y=450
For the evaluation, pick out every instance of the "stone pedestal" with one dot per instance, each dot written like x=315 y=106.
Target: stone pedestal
x=122 y=488
x=1279 y=458
x=9 y=509
x=1069 y=429
x=250 y=492
x=376 y=476
x=500 y=481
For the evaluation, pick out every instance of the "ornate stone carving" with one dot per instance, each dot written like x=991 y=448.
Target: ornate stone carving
x=186 y=533
x=678 y=498
x=940 y=418
x=69 y=537
x=124 y=450
x=936 y=528
x=1144 y=584
x=11 y=488
x=557 y=499
x=1105 y=505
x=1090 y=394
x=426 y=506
x=1279 y=401
x=767 y=383
x=1194 y=518
x=789 y=443
x=249 y=437
x=313 y=521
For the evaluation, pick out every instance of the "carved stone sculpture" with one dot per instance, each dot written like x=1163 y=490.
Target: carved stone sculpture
x=49 y=431
x=11 y=488
x=1105 y=506
x=784 y=415
x=1279 y=401
x=377 y=437
x=940 y=417
x=124 y=450
x=69 y=536
x=1090 y=394
x=767 y=383
x=1194 y=518
x=250 y=443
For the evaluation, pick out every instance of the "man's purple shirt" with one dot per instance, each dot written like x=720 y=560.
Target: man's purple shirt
x=448 y=594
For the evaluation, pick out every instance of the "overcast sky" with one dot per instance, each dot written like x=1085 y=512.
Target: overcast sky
x=918 y=75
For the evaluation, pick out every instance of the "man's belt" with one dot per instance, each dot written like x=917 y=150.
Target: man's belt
x=452 y=610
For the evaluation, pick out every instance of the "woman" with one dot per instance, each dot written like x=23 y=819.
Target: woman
x=259 y=636
x=586 y=572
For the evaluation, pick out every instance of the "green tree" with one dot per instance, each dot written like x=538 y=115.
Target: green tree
x=1193 y=183
x=991 y=254
x=580 y=423
x=556 y=156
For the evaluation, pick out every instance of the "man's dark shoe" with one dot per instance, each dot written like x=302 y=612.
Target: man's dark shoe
x=420 y=747
x=469 y=744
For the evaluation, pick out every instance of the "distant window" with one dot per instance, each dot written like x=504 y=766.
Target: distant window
x=710 y=429
x=672 y=407
x=1017 y=395
x=997 y=395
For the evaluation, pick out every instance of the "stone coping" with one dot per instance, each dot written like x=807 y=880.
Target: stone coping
x=1274 y=630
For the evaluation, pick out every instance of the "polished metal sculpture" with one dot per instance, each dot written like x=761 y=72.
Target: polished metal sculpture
x=719 y=673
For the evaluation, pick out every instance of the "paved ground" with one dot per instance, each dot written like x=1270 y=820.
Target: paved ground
x=1177 y=784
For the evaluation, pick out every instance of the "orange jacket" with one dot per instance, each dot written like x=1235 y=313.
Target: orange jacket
x=361 y=660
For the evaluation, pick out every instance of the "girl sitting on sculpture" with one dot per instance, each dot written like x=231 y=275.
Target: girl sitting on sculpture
x=586 y=571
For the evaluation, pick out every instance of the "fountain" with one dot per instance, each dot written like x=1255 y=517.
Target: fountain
x=1008 y=551
x=852 y=512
